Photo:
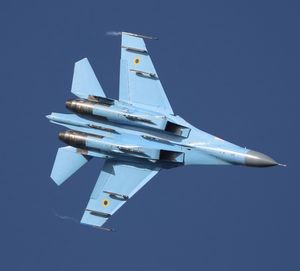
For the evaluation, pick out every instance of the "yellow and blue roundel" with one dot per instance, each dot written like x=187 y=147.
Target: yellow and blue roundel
x=137 y=61
x=105 y=202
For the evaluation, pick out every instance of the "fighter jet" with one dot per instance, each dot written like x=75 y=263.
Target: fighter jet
x=137 y=135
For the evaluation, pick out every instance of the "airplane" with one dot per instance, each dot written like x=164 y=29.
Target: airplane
x=137 y=135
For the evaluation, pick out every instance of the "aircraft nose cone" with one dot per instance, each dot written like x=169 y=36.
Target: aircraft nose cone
x=257 y=159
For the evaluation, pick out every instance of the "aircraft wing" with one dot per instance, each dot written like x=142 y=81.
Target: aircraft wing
x=139 y=82
x=118 y=182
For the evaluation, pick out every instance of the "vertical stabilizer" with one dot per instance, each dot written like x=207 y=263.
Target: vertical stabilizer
x=85 y=82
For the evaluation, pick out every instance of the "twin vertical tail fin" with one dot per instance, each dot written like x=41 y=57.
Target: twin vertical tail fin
x=67 y=162
x=85 y=83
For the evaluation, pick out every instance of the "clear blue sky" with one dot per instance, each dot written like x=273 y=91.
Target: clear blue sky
x=229 y=67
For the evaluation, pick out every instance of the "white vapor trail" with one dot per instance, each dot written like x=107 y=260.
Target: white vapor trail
x=64 y=217
x=113 y=33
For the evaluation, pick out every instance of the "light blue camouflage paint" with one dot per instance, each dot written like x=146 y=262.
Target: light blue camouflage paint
x=138 y=134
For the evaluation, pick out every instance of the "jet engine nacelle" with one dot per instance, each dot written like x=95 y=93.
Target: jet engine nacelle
x=91 y=142
x=115 y=111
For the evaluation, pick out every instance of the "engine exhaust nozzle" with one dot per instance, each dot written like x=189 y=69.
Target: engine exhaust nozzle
x=80 y=106
x=76 y=139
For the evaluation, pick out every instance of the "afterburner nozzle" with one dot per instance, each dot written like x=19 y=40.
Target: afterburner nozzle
x=80 y=106
x=69 y=104
x=76 y=139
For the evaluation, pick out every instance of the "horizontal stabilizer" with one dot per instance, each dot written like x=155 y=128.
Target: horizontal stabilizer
x=85 y=82
x=67 y=162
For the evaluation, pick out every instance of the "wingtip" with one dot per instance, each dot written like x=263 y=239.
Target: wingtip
x=82 y=60
x=140 y=36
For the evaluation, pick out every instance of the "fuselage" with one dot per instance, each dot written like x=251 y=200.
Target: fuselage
x=108 y=128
